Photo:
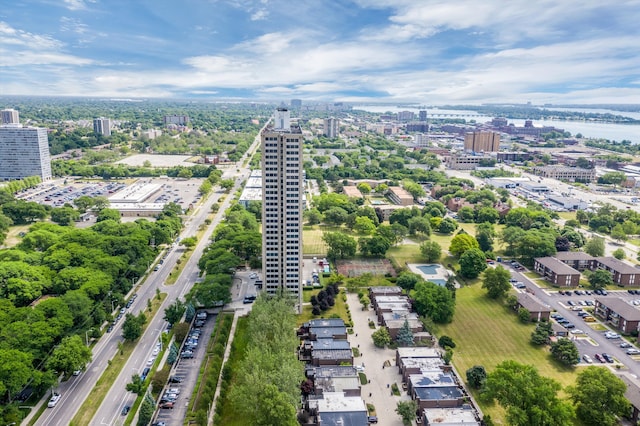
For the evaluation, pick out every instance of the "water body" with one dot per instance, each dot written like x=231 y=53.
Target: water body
x=611 y=131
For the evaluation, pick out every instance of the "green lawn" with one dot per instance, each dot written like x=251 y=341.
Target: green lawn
x=339 y=308
x=486 y=333
x=567 y=215
x=312 y=241
x=405 y=253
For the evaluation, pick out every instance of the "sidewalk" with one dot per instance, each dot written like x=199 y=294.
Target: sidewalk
x=373 y=359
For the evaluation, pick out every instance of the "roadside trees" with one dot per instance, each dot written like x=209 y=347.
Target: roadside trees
x=381 y=337
x=496 y=281
x=565 y=351
x=595 y=247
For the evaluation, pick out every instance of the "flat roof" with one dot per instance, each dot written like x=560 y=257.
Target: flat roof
x=617 y=265
x=399 y=315
x=325 y=322
x=383 y=290
x=424 y=364
x=556 y=266
x=135 y=193
x=391 y=299
x=461 y=416
x=399 y=323
x=327 y=332
x=418 y=352
x=434 y=378
x=337 y=402
x=330 y=345
x=620 y=307
x=439 y=393
x=331 y=354
x=334 y=371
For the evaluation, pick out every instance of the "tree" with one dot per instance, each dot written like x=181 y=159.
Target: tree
x=524 y=315
x=433 y=301
x=408 y=280
x=563 y=243
x=70 y=355
x=446 y=342
x=132 y=327
x=599 y=397
x=407 y=411
x=529 y=398
x=485 y=241
x=565 y=351
x=381 y=337
x=419 y=225
x=461 y=243
x=340 y=245
x=599 y=279
x=595 y=247
x=476 y=376
x=405 y=335
x=487 y=214
x=618 y=233
x=447 y=226
x=466 y=214
x=540 y=336
x=108 y=214
x=619 y=254
x=496 y=281
x=136 y=385
x=15 y=371
x=174 y=312
x=431 y=251
x=472 y=263
x=613 y=178
x=364 y=225
x=313 y=216
x=64 y=215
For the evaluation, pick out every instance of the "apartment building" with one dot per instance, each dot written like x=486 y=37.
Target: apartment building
x=482 y=142
x=102 y=126
x=556 y=272
x=9 y=116
x=24 y=152
x=331 y=127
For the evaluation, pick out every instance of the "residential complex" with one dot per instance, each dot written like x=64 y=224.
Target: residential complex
x=331 y=127
x=102 y=126
x=24 y=152
x=282 y=192
x=482 y=142
x=9 y=116
x=179 y=120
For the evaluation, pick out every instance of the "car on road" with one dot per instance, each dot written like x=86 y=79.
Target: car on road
x=587 y=359
x=372 y=419
x=633 y=351
x=577 y=331
x=569 y=325
x=159 y=424
x=54 y=400
x=125 y=410
x=253 y=275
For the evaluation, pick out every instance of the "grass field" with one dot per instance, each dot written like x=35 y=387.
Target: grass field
x=13 y=236
x=486 y=333
x=339 y=308
x=312 y=241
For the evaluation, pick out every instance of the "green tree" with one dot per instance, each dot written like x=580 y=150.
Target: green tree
x=132 y=327
x=599 y=396
x=364 y=225
x=446 y=342
x=65 y=216
x=15 y=371
x=405 y=335
x=528 y=398
x=540 y=336
x=433 y=301
x=565 y=351
x=340 y=245
x=472 y=263
x=476 y=376
x=70 y=355
x=174 y=312
x=136 y=385
x=618 y=233
x=524 y=315
x=447 y=226
x=496 y=281
x=431 y=251
x=408 y=280
x=487 y=215
x=595 y=247
x=407 y=411
x=466 y=214
x=419 y=225
x=461 y=243
x=381 y=337
x=619 y=254
x=313 y=216
x=108 y=214
x=600 y=279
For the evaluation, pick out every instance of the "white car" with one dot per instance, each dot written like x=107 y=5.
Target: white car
x=611 y=335
x=587 y=359
x=633 y=351
x=54 y=400
x=577 y=331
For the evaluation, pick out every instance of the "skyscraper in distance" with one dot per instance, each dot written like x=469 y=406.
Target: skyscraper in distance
x=331 y=127
x=282 y=197
x=102 y=126
x=24 y=152
x=9 y=116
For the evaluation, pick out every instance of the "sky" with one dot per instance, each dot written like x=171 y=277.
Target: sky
x=431 y=52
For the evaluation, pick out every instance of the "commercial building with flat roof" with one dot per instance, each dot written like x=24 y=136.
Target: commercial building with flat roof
x=459 y=416
x=400 y=196
x=24 y=152
x=571 y=174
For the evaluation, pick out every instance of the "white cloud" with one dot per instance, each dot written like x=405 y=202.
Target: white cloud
x=259 y=15
x=77 y=4
x=12 y=36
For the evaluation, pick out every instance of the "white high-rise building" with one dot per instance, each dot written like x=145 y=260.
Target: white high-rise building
x=9 y=116
x=331 y=127
x=24 y=152
x=102 y=126
x=282 y=197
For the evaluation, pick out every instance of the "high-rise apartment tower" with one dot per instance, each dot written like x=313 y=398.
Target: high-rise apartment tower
x=102 y=126
x=331 y=127
x=9 y=116
x=282 y=197
x=24 y=152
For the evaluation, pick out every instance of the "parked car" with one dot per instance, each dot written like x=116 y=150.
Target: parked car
x=633 y=351
x=587 y=359
x=372 y=419
x=607 y=357
x=167 y=405
x=176 y=379
x=600 y=358
x=54 y=400
x=611 y=335
x=625 y=345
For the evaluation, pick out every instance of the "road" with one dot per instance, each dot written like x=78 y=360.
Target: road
x=74 y=391
x=596 y=341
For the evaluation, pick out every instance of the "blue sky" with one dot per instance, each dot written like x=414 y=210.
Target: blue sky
x=427 y=51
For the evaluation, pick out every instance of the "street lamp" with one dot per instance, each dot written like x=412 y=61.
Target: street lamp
x=86 y=335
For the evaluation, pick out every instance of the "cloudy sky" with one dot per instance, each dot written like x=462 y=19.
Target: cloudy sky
x=426 y=51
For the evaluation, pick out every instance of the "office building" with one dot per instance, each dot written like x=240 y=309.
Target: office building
x=331 y=127
x=482 y=142
x=282 y=195
x=102 y=126
x=24 y=152
x=9 y=116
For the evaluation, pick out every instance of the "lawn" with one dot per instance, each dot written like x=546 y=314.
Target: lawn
x=405 y=253
x=486 y=333
x=339 y=308
x=13 y=236
x=312 y=243
x=567 y=215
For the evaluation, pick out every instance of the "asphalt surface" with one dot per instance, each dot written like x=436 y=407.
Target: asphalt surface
x=75 y=391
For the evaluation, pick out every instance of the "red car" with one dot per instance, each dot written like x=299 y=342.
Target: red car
x=600 y=358
x=167 y=405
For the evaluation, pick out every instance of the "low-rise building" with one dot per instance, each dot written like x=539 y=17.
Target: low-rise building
x=352 y=191
x=337 y=409
x=462 y=416
x=326 y=352
x=384 y=291
x=571 y=174
x=578 y=260
x=623 y=273
x=620 y=314
x=335 y=378
x=435 y=389
x=537 y=310
x=331 y=328
x=400 y=196
x=556 y=272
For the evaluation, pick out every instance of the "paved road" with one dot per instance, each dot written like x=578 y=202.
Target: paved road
x=596 y=342
x=74 y=392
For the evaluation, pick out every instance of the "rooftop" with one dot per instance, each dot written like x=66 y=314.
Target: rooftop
x=462 y=416
x=337 y=402
x=556 y=266
x=532 y=303
x=620 y=307
x=418 y=352
x=330 y=345
x=329 y=322
x=573 y=255
x=434 y=378
x=617 y=265
x=438 y=393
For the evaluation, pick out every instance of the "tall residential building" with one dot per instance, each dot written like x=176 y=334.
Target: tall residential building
x=282 y=197
x=9 y=116
x=24 y=152
x=331 y=127
x=482 y=141
x=102 y=126
x=180 y=120
x=422 y=115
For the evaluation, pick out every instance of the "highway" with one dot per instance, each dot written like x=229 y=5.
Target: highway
x=75 y=391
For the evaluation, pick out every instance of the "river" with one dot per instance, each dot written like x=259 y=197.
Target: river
x=611 y=131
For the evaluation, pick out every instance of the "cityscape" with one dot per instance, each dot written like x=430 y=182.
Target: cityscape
x=336 y=213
